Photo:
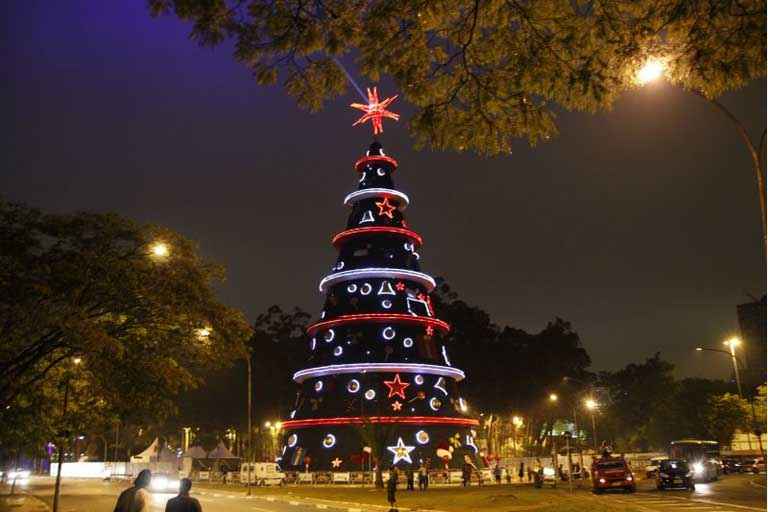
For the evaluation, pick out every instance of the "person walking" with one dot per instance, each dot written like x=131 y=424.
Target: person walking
x=422 y=477
x=466 y=474
x=136 y=498
x=409 y=478
x=497 y=474
x=392 y=488
x=183 y=502
x=521 y=472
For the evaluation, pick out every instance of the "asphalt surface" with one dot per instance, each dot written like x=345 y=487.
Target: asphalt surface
x=98 y=496
x=729 y=493
x=732 y=493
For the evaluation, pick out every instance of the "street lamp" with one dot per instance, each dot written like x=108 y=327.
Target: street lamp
x=654 y=68
x=553 y=397
x=76 y=361
x=650 y=71
x=592 y=406
x=159 y=250
x=732 y=343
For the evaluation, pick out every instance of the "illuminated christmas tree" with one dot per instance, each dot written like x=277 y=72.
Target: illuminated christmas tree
x=378 y=362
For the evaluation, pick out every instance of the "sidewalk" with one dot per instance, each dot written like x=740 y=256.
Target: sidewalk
x=21 y=503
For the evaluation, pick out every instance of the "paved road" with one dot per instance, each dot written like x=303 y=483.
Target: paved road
x=731 y=493
x=98 y=496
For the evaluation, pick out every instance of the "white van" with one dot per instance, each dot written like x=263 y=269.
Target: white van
x=261 y=473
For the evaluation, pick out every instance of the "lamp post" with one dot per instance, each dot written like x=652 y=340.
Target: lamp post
x=653 y=69
x=592 y=405
x=250 y=418
x=553 y=398
x=732 y=343
x=76 y=361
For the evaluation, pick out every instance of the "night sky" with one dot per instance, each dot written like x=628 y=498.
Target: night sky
x=640 y=226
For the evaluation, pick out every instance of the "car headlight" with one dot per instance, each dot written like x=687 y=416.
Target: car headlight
x=602 y=480
x=698 y=468
x=159 y=483
x=629 y=478
x=19 y=475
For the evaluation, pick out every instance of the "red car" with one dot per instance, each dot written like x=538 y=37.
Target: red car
x=612 y=473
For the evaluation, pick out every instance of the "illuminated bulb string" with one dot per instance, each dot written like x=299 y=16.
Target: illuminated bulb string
x=333 y=369
x=377 y=273
x=429 y=323
x=368 y=193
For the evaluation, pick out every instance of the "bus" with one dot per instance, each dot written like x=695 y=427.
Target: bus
x=704 y=457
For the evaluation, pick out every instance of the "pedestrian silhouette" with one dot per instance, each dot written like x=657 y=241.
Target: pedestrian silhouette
x=183 y=502
x=136 y=498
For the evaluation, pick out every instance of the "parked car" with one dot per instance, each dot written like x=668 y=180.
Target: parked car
x=612 y=473
x=675 y=474
x=653 y=466
x=737 y=464
x=759 y=465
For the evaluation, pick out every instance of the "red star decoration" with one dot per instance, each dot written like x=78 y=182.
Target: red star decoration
x=397 y=406
x=400 y=286
x=430 y=330
x=386 y=208
x=396 y=387
x=375 y=110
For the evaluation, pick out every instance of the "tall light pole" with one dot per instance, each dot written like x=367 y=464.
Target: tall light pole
x=553 y=398
x=653 y=69
x=250 y=418
x=732 y=343
x=592 y=405
x=76 y=361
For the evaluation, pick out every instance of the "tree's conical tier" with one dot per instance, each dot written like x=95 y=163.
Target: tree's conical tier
x=379 y=379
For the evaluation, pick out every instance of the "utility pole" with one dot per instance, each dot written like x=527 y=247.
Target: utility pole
x=250 y=419
x=62 y=442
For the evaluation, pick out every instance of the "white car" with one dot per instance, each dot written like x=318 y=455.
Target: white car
x=653 y=466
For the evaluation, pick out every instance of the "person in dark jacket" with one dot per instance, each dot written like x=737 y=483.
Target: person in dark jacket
x=183 y=502
x=137 y=497
x=392 y=488
x=409 y=478
x=521 y=472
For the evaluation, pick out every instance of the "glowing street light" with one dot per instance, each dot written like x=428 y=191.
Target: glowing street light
x=553 y=397
x=159 y=250
x=517 y=421
x=77 y=360
x=590 y=404
x=651 y=71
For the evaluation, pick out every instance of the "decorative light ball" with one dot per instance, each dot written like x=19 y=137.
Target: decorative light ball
x=329 y=441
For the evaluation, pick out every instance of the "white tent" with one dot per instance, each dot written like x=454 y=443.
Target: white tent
x=196 y=452
x=221 y=452
x=155 y=452
x=148 y=455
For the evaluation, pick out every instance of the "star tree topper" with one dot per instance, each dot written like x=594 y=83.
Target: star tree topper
x=375 y=110
x=401 y=451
